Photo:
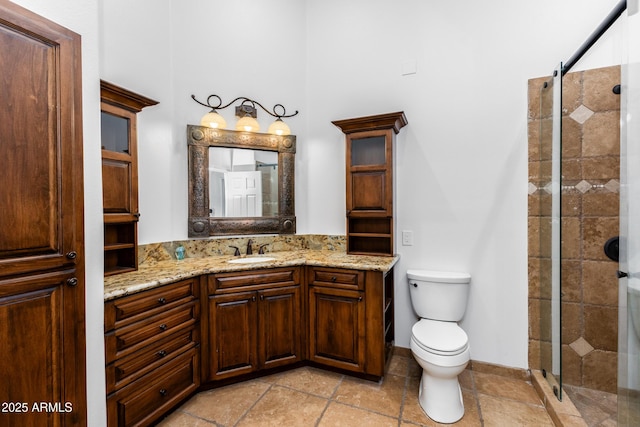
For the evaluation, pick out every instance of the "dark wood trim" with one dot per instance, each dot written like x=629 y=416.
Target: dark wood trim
x=123 y=98
x=395 y=121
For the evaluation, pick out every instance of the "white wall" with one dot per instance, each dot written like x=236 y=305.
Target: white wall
x=169 y=50
x=81 y=16
x=462 y=160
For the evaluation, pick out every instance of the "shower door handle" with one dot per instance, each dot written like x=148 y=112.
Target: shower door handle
x=612 y=248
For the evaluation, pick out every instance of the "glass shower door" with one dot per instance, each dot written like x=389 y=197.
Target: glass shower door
x=550 y=230
x=629 y=284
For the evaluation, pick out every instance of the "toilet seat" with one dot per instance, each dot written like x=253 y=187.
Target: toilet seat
x=441 y=338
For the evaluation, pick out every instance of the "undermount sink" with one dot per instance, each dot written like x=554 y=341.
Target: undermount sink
x=251 y=260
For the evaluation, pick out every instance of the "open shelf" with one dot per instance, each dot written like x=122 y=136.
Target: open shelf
x=120 y=248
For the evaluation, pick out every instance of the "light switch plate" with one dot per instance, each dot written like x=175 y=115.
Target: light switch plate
x=407 y=238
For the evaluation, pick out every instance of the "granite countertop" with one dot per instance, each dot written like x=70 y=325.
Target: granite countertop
x=163 y=272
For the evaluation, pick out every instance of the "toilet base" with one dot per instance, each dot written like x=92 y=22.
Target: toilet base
x=441 y=398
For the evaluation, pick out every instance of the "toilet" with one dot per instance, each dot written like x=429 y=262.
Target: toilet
x=438 y=344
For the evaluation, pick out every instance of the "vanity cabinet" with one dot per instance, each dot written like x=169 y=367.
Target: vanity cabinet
x=370 y=182
x=120 y=175
x=255 y=321
x=350 y=319
x=152 y=346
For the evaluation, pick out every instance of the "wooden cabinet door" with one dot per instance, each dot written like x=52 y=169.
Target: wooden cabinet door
x=337 y=327
x=279 y=325
x=233 y=334
x=119 y=163
x=41 y=244
x=369 y=180
x=36 y=359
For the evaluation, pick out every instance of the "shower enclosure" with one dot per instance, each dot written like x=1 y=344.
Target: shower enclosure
x=584 y=190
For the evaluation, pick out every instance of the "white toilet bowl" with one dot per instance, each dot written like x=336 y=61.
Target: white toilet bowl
x=442 y=350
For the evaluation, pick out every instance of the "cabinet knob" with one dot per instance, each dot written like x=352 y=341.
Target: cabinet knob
x=163 y=392
x=253 y=298
x=360 y=299
x=72 y=281
x=163 y=327
x=162 y=300
x=161 y=353
x=72 y=254
x=261 y=297
x=334 y=278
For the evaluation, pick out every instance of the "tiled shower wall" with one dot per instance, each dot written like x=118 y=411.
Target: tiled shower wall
x=590 y=205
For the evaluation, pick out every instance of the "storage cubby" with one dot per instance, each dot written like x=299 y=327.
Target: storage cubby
x=120 y=248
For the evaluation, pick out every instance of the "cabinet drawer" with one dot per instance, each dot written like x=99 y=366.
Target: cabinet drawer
x=253 y=280
x=336 y=278
x=126 y=340
x=127 y=369
x=145 y=400
x=122 y=311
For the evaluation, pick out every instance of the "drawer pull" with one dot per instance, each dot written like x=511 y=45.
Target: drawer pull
x=161 y=353
x=334 y=278
x=163 y=392
x=163 y=327
x=162 y=300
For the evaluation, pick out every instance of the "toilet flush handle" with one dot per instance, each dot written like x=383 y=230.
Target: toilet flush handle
x=415 y=285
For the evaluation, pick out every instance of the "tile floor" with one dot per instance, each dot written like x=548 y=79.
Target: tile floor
x=598 y=408
x=313 y=397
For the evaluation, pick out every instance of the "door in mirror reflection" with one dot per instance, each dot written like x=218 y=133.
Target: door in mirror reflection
x=243 y=182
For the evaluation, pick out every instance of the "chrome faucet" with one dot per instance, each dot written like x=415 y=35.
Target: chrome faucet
x=249 y=250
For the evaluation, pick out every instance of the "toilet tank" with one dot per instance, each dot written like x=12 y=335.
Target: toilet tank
x=439 y=295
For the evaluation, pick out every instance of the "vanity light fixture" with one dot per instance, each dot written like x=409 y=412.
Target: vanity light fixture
x=247 y=112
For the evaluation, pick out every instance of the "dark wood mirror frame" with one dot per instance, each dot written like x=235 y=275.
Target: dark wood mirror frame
x=199 y=140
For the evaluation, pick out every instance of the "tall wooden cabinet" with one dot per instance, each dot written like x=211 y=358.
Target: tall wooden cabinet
x=370 y=182
x=120 y=176
x=42 y=277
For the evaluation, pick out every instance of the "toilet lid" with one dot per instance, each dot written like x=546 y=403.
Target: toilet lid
x=440 y=337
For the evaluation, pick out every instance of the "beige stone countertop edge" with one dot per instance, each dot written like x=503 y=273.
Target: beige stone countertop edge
x=160 y=273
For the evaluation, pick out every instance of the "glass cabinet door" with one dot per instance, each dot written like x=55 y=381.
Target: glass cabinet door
x=368 y=151
x=115 y=133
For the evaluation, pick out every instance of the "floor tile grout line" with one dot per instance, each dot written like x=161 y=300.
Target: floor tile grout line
x=329 y=400
x=213 y=422
x=474 y=391
x=253 y=405
x=404 y=396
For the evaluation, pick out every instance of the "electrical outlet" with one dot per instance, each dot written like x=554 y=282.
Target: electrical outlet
x=407 y=238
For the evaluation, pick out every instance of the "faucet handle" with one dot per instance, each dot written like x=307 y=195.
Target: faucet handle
x=249 y=248
x=261 y=249
x=237 y=250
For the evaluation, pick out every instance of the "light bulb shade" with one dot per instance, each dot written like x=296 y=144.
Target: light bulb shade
x=279 y=128
x=247 y=124
x=213 y=120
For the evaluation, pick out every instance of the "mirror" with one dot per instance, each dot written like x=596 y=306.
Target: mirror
x=240 y=182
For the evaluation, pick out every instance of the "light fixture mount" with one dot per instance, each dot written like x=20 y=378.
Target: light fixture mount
x=214 y=102
x=247 y=112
